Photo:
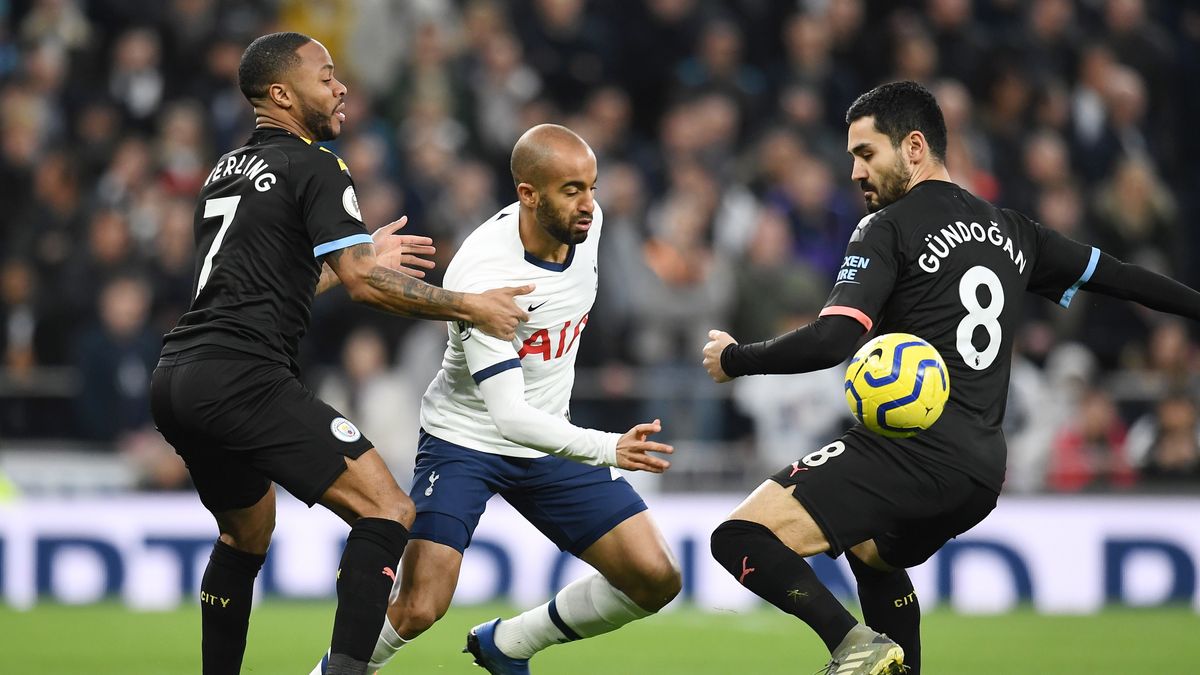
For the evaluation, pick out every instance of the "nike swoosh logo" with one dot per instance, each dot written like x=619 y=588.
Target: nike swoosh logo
x=533 y=307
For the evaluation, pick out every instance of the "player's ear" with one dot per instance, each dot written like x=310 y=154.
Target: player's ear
x=915 y=147
x=279 y=94
x=527 y=195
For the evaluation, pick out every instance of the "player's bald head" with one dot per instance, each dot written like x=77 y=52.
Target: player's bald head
x=541 y=151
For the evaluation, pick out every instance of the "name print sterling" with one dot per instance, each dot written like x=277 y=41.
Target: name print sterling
x=250 y=166
x=941 y=243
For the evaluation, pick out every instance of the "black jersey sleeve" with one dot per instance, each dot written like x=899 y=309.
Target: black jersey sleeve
x=328 y=203
x=1132 y=282
x=822 y=344
x=1062 y=265
x=868 y=272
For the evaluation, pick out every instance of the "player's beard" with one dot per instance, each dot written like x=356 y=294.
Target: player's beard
x=557 y=226
x=889 y=185
x=320 y=124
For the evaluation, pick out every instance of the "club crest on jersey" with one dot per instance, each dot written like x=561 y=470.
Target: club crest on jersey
x=350 y=202
x=344 y=430
x=464 y=329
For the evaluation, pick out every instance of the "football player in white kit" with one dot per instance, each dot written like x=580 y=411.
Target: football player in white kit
x=495 y=419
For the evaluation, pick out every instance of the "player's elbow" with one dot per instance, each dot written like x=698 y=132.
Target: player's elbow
x=508 y=423
x=358 y=288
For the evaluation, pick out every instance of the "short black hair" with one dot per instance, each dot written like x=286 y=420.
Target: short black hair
x=266 y=60
x=899 y=108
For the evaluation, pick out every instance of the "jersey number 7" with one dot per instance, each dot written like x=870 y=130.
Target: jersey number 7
x=225 y=207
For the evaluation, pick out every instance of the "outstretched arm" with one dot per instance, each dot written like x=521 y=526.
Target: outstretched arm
x=824 y=343
x=494 y=312
x=1133 y=282
x=523 y=424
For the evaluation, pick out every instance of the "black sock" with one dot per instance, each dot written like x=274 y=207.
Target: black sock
x=225 y=593
x=889 y=605
x=365 y=576
x=760 y=562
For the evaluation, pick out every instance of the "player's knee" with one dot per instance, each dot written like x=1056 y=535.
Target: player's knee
x=655 y=584
x=251 y=537
x=731 y=539
x=389 y=504
x=723 y=540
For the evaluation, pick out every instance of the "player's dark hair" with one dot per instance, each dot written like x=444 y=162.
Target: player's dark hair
x=900 y=108
x=266 y=60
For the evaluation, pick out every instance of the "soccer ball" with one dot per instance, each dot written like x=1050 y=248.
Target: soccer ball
x=897 y=385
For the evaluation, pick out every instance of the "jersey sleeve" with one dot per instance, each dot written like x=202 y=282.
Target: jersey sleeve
x=486 y=356
x=1062 y=265
x=328 y=203
x=867 y=274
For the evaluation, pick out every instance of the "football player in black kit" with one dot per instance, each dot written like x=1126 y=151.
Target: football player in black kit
x=277 y=222
x=933 y=260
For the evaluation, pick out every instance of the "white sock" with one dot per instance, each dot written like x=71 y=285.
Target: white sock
x=587 y=607
x=386 y=646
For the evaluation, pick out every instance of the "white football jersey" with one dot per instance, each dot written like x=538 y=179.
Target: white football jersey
x=544 y=349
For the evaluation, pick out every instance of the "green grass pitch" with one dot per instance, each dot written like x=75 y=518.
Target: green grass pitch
x=288 y=638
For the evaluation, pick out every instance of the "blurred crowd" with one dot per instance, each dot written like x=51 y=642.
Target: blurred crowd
x=719 y=128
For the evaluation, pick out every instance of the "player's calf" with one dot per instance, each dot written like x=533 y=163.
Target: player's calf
x=366 y=496
x=762 y=563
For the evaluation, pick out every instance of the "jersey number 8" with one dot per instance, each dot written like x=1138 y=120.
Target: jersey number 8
x=979 y=315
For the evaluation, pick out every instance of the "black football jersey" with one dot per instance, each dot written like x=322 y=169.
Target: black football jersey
x=266 y=214
x=952 y=269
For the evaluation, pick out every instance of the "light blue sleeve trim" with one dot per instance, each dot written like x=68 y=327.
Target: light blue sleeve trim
x=338 y=244
x=1087 y=274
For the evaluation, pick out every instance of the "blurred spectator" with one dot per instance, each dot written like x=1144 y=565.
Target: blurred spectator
x=1137 y=218
x=1165 y=444
x=115 y=357
x=1050 y=37
x=820 y=217
x=771 y=284
x=18 y=319
x=501 y=85
x=381 y=400
x=182 y=148
x=1088 y=452
x=136 y=81
x=172 y=265
x=961 y=43
x=569 y=48
x=717 y=66
x=810 y=62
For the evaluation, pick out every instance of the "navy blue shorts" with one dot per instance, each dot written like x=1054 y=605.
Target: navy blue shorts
x=572 y=504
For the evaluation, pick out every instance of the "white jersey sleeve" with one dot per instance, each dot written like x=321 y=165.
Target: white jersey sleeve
x=521 y=423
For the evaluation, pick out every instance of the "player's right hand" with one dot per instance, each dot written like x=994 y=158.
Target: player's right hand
x=718 y=340
x=496 y=312
x=633 y=446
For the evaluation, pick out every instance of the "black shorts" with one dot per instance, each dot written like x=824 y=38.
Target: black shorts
x=240 y=423
x=859 y=488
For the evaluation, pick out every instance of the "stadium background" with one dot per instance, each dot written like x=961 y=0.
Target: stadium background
x=720 y=135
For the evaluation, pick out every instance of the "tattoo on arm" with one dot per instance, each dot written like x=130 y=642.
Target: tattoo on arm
x=402 y=294
x=395 y=292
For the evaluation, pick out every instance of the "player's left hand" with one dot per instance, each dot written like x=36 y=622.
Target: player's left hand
x=718 y=340
x=633 y=448
x=402 y=252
